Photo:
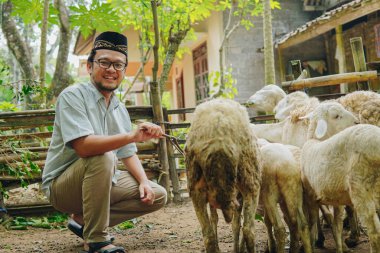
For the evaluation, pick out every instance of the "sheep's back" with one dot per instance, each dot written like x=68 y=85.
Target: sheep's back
x=219 y=124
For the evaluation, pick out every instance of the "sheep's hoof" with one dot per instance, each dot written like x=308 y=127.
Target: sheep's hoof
x=351 y=242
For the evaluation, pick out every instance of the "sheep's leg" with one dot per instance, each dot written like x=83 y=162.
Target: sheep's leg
x=236 y=230
x=353 y=240
x=329 y=219
x=313 y=219
x=250 y=201
x=272 y=217
x=370 y=220
x=214 y=220
x=271 y=241
x=338 y=229
x=319 y=243
x=200 y=206
x=297 y=221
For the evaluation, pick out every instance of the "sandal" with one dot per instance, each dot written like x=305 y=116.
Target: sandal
x=77 y=229
x=95 y=247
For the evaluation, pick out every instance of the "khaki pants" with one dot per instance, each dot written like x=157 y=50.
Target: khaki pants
x=86 y=188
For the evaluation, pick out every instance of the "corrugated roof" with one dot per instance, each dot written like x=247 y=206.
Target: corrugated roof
x=327 y=17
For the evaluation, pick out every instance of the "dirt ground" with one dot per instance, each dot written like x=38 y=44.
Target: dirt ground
x=174 y=228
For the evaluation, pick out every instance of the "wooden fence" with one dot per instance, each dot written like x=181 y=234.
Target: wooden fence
x=30 y=131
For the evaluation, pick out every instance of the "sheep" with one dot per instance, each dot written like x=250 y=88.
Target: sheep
x=265 y=99
x=223 y=164
x=292 y=130
x=340 y=166
x=370 y=112
x=289 y=103
x=271 y=132
x=281 y=183
x=354 y=102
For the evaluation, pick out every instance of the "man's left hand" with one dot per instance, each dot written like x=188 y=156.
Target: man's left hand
x=146 y=193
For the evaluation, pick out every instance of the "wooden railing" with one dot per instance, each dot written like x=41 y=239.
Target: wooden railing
x=31 y=131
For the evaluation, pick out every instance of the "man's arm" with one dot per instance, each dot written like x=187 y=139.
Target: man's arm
x=92 y=145
x=135 y=167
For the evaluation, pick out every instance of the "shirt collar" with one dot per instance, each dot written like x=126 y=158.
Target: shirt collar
x=114 y=103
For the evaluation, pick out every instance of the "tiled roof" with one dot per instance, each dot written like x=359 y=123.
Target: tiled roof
x=326 y=17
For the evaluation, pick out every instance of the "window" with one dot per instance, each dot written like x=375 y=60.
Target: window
x=201 y=73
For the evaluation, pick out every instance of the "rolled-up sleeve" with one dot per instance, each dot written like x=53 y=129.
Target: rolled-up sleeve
x=124 y=125
x=74 y=122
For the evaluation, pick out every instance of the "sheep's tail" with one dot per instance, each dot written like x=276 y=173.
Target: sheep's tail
x=221 y=176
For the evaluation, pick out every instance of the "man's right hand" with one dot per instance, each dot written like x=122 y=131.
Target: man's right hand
x=146 y=131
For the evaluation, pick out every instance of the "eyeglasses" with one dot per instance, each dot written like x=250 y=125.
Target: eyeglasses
x=107 y=64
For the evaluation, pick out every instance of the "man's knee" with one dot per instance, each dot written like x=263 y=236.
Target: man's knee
x=160 y=197
x=105 y=162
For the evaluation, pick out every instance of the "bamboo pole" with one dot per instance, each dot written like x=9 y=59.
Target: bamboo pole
x=330 y=80
x=341 y=56
x=172 y=166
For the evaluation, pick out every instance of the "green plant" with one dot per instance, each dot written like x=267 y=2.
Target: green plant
x=229 y=89
x=55 y=220
x=8 y=107
x=19 y=163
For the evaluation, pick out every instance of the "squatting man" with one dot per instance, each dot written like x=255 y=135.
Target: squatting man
x=92 y=131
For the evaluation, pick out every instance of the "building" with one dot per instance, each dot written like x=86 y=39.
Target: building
x=189 y=78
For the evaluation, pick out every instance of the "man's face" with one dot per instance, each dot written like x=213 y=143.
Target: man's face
x=106 y=79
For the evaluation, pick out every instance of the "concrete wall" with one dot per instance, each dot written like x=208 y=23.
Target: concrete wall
x=244 y=50
x=210 y=32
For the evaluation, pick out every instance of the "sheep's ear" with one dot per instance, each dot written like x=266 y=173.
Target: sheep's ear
x=307 y=116
x=321 y=129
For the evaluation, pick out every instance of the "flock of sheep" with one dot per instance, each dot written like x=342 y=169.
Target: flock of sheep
x=319 y=155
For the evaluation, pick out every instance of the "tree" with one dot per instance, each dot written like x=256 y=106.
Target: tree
x=16 y=43
x=268 y=44
x=175 y=17
x=61 y=78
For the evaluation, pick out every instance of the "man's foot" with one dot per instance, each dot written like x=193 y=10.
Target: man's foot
x=100 y=247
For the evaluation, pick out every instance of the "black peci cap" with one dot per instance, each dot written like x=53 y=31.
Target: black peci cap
x=112 y=41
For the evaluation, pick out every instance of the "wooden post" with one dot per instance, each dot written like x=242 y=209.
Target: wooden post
x=359 y=60
x=330 y=80
x=172 y=166
x=329 y=62
x=340 y=56
x=281 y=64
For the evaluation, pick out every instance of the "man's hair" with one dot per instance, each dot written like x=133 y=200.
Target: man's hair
x=91 y=57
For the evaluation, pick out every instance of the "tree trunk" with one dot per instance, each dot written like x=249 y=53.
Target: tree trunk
x=174 y=42
x=228 y=30
x=16 y=44
x=268 y=45
x=157 y=106
x=43 y=48
x=62 y=78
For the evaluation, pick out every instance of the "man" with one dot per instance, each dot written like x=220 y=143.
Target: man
x=91 y=129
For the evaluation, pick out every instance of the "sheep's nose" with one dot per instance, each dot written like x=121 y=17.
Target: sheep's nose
x=357 y=122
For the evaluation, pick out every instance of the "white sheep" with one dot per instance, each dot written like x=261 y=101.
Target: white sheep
x=354 y=102
x=341 y=167
x=281 y=184
x=370 y=112
x=289 y=103
x=223 y=162
x=265 y=99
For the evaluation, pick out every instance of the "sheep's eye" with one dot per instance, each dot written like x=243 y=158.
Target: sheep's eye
x=337 y=116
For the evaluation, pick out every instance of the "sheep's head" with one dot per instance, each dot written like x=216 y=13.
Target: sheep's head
x=329 y=118
x=289 y=103
x=266 y=99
